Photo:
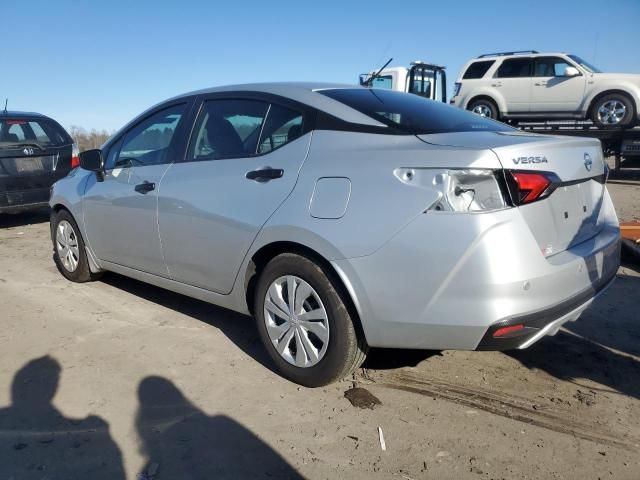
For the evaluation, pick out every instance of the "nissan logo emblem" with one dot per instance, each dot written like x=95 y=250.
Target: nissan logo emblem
x=587 y=162
x=28 y=151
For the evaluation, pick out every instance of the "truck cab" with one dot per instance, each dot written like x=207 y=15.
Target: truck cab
x=420 y=78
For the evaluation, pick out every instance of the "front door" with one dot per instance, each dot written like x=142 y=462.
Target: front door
x=120 y=212
x=242 y=162
x=552 y=89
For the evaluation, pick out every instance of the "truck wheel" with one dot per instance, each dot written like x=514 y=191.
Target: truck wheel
x=484 y=108
x=613 y=111
x=69 y=252
x=304 y=324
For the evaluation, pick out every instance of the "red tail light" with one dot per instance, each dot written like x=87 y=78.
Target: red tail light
x=527 y=187
x=75 y=156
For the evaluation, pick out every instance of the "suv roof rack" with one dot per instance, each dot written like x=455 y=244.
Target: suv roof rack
x=502 y=54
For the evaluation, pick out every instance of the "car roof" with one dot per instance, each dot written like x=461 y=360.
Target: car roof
x=515 y=55
x=307 y=93
x=15 y=114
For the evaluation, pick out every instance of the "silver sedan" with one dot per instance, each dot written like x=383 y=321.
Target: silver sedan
x=345 y=218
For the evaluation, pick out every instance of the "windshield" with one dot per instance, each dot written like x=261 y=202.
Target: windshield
x=24 y=131
x=584 y=64
x=412 y=113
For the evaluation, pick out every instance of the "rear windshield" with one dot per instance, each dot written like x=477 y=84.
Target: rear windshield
x=42 y=132
x=478 y=69
x=412 y=113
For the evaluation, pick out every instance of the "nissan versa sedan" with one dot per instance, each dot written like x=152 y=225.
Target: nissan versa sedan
x=345 y=218
x=35 y=151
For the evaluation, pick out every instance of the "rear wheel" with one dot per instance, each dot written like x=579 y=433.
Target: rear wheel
x=485 y=108
x=69 y=252
x=614 y=110
x=304 y=323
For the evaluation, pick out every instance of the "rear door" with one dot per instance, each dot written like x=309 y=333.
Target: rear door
x=120 y=212
x=512 y=81
x=552 y=89
x=34 y=153
x=241 y=164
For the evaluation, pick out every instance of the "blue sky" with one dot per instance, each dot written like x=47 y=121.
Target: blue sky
x=98 y=64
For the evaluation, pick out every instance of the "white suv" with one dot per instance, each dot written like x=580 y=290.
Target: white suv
x=528 y=84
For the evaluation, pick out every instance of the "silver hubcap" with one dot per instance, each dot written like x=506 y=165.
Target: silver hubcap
x=296 y=321
x=612 y=112
x=67 y=246
x=482 y=110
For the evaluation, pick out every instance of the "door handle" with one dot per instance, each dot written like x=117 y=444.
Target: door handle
x=540 y=84
x=265 y=174
x=497 y=84
x=145 y=187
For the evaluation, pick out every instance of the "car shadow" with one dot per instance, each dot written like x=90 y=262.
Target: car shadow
x=238 y=328
x=10 y=220
x=38 y=441
x=393 y=358
x=181 y=441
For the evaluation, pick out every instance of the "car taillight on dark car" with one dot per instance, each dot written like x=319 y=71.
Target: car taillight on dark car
x=75 y=156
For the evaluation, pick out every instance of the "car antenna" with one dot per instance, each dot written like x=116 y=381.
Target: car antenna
x=377 y=74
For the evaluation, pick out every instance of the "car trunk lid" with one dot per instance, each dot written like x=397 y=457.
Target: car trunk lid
x=569 y=215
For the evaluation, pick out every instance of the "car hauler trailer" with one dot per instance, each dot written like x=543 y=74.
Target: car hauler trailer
x=430 y=81
x=622 y=144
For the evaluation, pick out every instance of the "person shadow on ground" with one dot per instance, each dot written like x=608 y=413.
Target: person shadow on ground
x=38 y=442
x=181 y=442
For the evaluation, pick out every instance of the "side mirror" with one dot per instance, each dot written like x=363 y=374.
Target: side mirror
x=92 y=160
x=571 y=72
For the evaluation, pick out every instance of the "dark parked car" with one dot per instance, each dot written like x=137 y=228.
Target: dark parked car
x=35 y=152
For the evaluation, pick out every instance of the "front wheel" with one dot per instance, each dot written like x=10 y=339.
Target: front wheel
x=611 y=111
x=304 y=323
x=69 y=253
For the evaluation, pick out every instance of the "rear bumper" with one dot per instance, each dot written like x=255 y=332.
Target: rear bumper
x=545 y=322
x=449 y=281
x=16 y=201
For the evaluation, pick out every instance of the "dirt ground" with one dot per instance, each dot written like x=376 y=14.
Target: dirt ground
x=117 y=379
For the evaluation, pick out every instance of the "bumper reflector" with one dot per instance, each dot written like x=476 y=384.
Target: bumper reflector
x=501 y=332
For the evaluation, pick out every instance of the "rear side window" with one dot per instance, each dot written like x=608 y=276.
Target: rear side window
x=515 y=67
x=410 y=113
x=227 y=128
x=478 y=69
x=283 y=125
x=39 y=131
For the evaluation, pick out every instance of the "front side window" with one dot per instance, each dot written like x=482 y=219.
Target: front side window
x=148 y=142
x=550 y=67
x=412 y=114
x=514 y=68
x=383 y=81
x=227 y=128
x=478 y=69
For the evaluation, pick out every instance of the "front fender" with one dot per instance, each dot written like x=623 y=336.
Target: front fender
x=627 y=87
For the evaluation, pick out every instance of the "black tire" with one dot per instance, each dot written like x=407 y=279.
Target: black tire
x=346 y=349
x=626 y=121
x=489 y=105
x=82 y=273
